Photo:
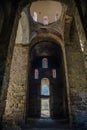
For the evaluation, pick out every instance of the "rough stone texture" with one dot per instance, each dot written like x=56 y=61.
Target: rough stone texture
x=16 y=94
x=11 y=127
x=81 y=71
x=81 y=34
x=76 y=76
x=6 y=50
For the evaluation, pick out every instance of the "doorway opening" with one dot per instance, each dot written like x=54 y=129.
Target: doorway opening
x=45 y=108
x=45 y=98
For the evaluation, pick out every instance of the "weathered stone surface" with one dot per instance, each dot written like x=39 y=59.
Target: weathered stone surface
x=11 y=127
x=16 y=95
x=6 y=50
x=76 y=76
x=81 y=35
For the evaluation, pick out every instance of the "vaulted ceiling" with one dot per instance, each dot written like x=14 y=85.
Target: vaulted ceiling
x=81 y=4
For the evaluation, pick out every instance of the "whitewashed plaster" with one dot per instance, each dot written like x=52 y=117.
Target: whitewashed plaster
x=50 y=9
x=22 y=36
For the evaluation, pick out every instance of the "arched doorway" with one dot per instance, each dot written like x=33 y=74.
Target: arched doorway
x=47 y=64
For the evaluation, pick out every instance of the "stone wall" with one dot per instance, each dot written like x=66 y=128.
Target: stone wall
x=6 y=50
x=82 y=35
x=82 y=8
x=77 y=81
x=76 y=74
x=14 y=84
x=16 y=93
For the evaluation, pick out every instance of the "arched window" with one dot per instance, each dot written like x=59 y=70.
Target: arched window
x=44 y=63
x=45 y=90
x=45 y=20
x=35 y=16
x=45 y=87
x=36 y=74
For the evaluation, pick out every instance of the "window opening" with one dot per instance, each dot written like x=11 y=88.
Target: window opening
x=45 y=90
x=45 y=109
x=35 y=16
x=36 y=74
x=54 y=73
x=44 y=63
x=45 y=20
x=45 y=98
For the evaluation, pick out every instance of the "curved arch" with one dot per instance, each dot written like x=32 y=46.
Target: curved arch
x=58 y=44
x=45 y=81
x=45 y=49
x=46 y=38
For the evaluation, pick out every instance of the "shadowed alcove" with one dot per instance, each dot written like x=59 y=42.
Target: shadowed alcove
x=46 y=63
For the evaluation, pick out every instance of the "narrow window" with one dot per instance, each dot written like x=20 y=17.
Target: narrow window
x=36 y=74
x=45 y=20
x=44 y=63
x=35 y=16
x=82 y=45
x=54 y=73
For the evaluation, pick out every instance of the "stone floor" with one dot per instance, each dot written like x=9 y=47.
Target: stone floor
x=46 y=124
x=46 y=129
x=43 y=124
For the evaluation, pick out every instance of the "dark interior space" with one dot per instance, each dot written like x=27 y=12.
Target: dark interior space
x=58 y=100
x=82 y=8
x=7 y=16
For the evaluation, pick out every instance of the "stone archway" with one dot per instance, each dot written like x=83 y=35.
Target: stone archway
x=55 y=72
